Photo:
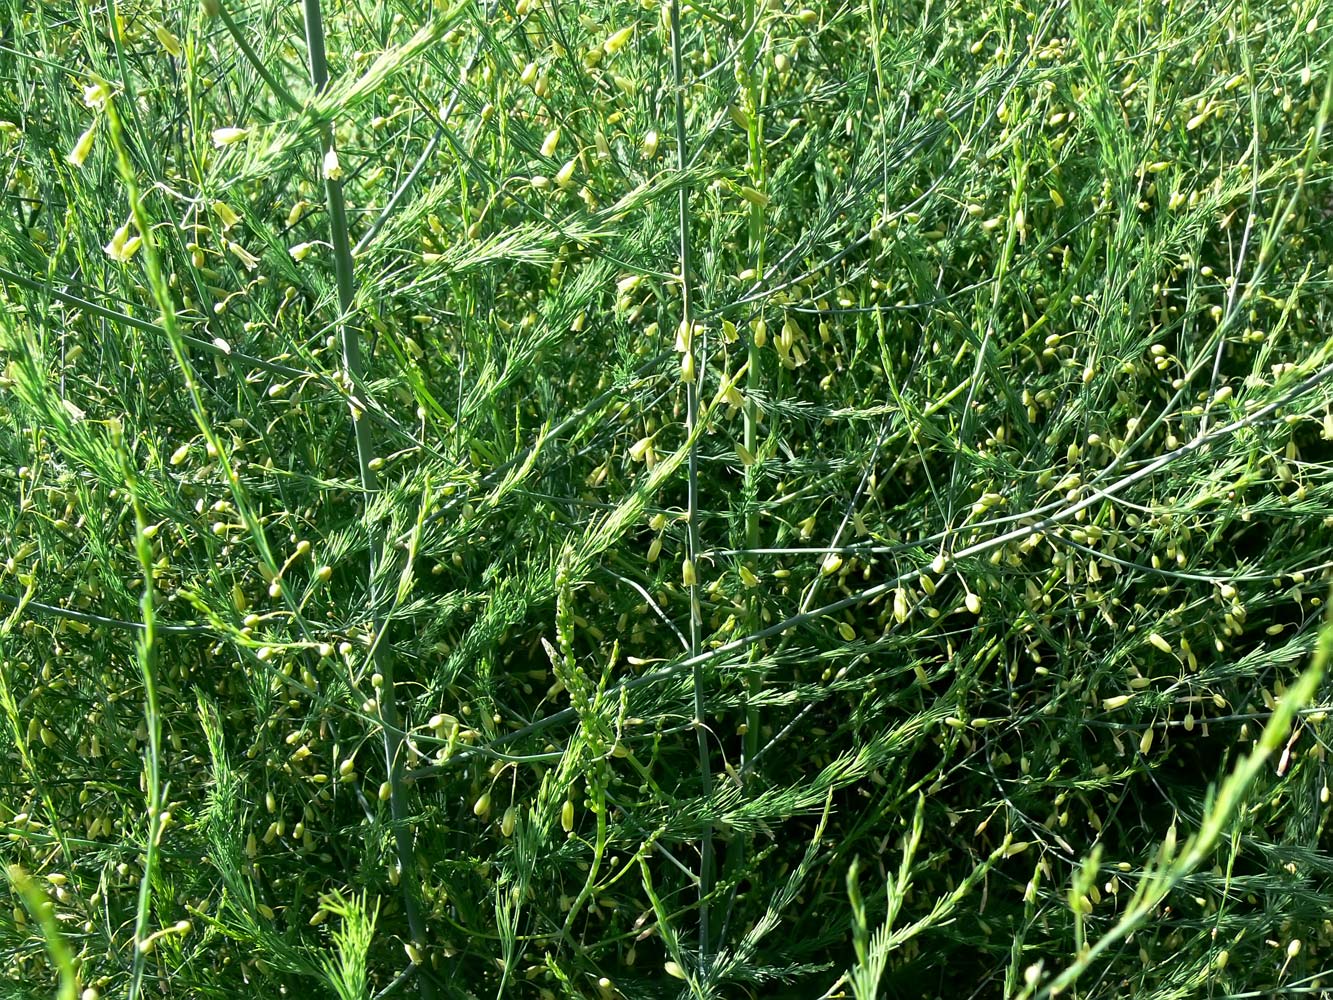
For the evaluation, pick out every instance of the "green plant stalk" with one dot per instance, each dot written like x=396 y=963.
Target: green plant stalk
x=147 y=657
x=753 y=94
x=597 y=791
x=115 y=23
x=670 y=940
x=147 y=643
x=365 y=452
x=692 y=502
x=757 y=171
x=161 y=293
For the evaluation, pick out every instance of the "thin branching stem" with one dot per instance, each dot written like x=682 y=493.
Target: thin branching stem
x=279 y=90
x=696 y=361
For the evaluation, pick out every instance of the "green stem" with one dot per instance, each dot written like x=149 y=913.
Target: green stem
x=755 y=167
x=365 y=453
x=692 y=502
x=147 y=657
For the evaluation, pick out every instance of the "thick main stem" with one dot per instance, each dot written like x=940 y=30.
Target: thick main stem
x=365 y=453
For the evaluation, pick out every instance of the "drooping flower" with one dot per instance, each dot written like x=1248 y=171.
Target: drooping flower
x=168 y=41
x=247 y=259
x=123 y=246
x=82 y=148
x=95 y=95
x=333 y=170
x=226 y=215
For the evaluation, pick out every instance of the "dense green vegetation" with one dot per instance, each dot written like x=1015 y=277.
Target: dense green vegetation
x=644 y=500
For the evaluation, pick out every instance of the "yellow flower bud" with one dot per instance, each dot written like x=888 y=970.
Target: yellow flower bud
x=123 y=246
x=900 y=605
x=564 y=177
x=228 y=136
x=639 y=449
x=248 y=260
x=82 y=148
x=617 y=41
x=168 y=41
x=754 y=197
x=225 y=215
x=687 y=370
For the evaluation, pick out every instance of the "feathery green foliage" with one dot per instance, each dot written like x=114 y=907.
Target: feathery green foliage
x=665 y=499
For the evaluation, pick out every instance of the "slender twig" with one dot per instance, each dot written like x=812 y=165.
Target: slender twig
x=431 y=146
x=252 y=57
x=147 y=645
x=91 y=619
x=398 y=981
x=692 y=378
x=756 y=168
x=96 y=309
x=147 y=657
x=657 y=608
x=221 y=349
